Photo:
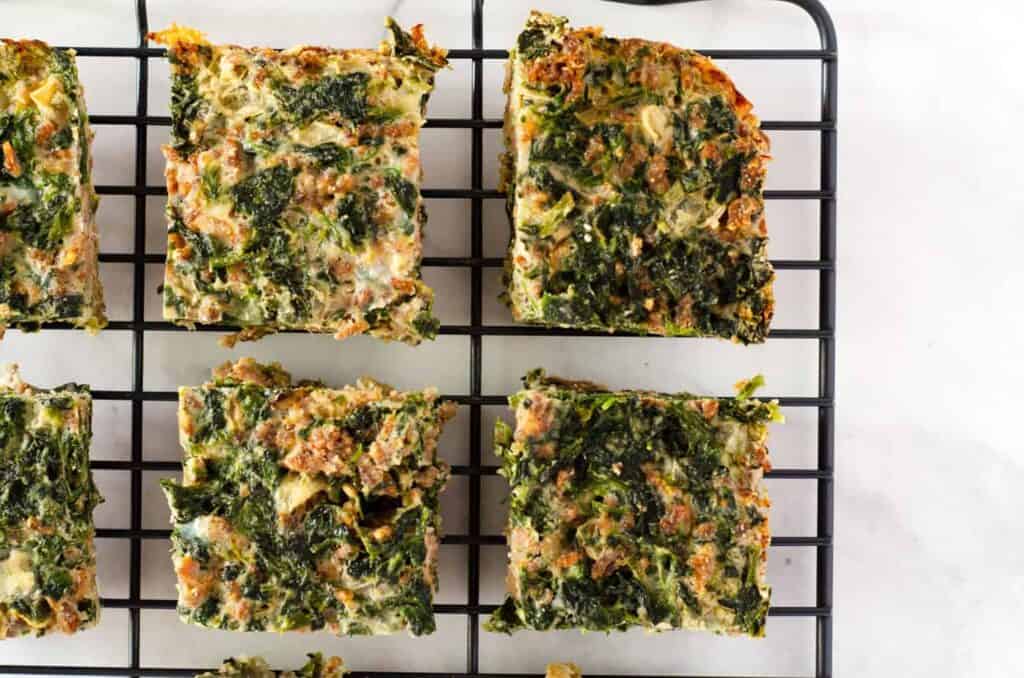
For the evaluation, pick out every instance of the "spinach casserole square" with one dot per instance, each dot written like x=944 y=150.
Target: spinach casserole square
x=305 y=507
x=47 y=496
x=256 y=667
x=293 y=187
x=634 y=173
x=633 y=508
x=49 y=252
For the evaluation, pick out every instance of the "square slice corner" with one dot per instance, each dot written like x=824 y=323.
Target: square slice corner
x=634 y=175
x=634 y=508
x=256 y=667
x=293 y=181
x=305 y=507
x=47 y=497
x=49 y=247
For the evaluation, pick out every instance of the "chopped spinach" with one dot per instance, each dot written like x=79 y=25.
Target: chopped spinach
x=45 y=222
x=209 y=181
x=212 y=422
x=186 y=106
x=532 y=43
x=68 y=306
x=18 y=129
x=404 y=46
x=538 y=39
x=344 y=95
x=328 y=155
x=264 y=195
x=406 y=193
x=63 y=66
x=356 y=223
x=415 y=608
x=427 y=324
x=728 y=179
x=720 y=117
x=64 y=137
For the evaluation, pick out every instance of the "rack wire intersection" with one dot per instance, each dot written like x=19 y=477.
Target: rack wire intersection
x=138 y=395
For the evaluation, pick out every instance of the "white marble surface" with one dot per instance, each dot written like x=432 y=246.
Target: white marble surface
x=929 y=561
x=928 y=573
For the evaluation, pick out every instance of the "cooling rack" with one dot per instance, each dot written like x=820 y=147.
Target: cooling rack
x=824 y=335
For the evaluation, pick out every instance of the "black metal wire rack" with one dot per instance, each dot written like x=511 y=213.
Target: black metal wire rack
x=824 y=334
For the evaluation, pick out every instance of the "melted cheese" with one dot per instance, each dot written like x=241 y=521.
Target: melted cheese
x=44 y=94
x=314 y=134
x=654 y=122
x=734 y=436
x=17 y=194
x=295 y=490
x=17 y=579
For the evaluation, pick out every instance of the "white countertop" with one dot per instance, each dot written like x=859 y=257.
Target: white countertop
x=928 y=576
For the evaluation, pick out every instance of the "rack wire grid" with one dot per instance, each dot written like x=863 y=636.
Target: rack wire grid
x=824 y=334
